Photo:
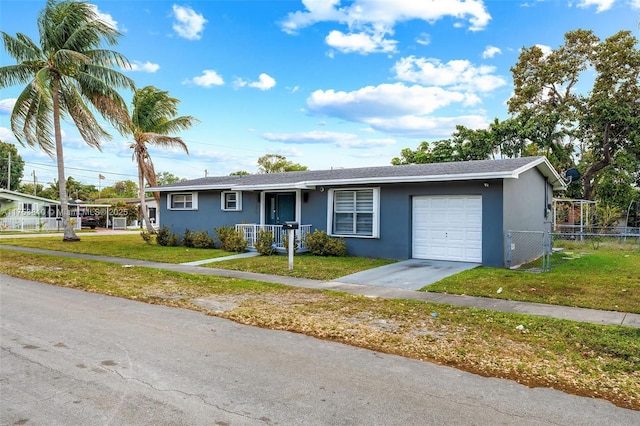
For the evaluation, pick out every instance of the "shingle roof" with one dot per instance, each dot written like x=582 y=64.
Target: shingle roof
x=462 y=170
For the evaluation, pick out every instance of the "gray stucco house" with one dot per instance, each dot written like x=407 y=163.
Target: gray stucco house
x=457 y=211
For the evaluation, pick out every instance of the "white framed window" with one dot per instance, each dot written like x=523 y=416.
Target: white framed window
x=231 y=201
x=183 y=201
x=29 y=207
x=354 y=212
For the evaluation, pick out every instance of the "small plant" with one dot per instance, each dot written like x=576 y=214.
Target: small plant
x=187 y=238
x=166 y=238
x=203 y=240
x=146 y=236
x=231 y=239
x=320 y=244
x=265 y=244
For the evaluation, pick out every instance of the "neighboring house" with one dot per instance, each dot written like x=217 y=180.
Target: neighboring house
x=458 y=211
x=24 y=212
x=152 y=207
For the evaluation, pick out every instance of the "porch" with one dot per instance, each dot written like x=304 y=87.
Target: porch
x=250 y=233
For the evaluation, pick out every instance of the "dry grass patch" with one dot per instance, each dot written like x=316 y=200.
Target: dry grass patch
x=580 y=358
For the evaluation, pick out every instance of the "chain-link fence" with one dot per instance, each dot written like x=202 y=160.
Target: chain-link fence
x=598 y=234
x=529 y=249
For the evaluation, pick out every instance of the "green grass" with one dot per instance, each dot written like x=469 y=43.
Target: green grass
x=606 y=278
x=304 y=265
x=126 y=246
x=581 y=358
x=603 y=276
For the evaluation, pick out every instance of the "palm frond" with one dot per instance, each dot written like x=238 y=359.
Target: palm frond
x=21 y=47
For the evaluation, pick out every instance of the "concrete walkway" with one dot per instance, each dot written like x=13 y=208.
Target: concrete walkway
x=553 y=311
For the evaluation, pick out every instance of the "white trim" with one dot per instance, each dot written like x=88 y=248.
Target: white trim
x=194 y=201
x=375 y=231
x=223 y=201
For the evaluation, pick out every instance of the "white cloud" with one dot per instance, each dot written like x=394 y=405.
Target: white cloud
x=189 y=24
x=457 y=74
x=369 y=21
x=392 y=100
x=207 y=79
x=398 y=109
x=424 y=39
x=143 y=67
x=601 y=5
x=265 y=82
x=343 y=140
x=388 y=13
x=7 y=135
x=491 y=51
x=6 y=105
x=362 y=42
x=635 y=4
x=427 y=126
x=105 y=17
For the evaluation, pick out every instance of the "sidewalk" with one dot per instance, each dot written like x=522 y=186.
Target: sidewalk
x=553 y=311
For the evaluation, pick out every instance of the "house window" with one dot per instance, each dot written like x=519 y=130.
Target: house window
x=354 y=212
x=231 y=201
x=27 y=207
x=187 y=201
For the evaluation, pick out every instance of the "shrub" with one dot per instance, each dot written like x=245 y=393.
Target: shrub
x=265 y=244
x=187 y=238
x=320 y=244
x=231 y=239
x=166 y=238
x=174 y=240
x=146 y=236
x=203 y=240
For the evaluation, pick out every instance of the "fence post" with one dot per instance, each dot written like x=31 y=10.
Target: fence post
x=508 y=249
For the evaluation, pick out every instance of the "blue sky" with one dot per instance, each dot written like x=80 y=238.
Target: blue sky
x=327 y=84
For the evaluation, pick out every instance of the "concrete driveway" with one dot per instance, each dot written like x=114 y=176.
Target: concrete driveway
x=411 y=274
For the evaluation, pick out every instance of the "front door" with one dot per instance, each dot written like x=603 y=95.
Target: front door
x=280 y=208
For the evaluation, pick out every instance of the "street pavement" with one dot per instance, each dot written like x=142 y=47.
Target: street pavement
x=70 y=357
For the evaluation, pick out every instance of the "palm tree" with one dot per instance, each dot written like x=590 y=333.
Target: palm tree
x=152 y=120
x=66 y=75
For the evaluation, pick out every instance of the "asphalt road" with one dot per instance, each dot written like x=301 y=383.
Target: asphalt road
x=74 y=358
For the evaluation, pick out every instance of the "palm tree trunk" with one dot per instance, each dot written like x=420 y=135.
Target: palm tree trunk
x=143 y=202
x=69 y=233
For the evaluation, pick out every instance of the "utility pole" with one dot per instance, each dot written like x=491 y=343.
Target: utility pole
x=9 y=173
x=206 y=173
x=35 y=182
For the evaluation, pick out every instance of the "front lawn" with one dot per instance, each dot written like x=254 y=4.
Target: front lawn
x=127 y=246
x=603 y=277
x=581 y=358
x=304 y=265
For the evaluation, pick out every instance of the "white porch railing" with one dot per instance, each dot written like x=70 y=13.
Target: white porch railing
x=250 y=233
x=34 y=223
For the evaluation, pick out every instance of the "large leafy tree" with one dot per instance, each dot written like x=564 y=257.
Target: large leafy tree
x=605 y=121
x=464 y=145
x=276 y=163
x=152 y=121
x=11 y=166
x=66 y=76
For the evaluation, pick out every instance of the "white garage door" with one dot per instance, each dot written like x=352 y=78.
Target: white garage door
x=448 y=227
